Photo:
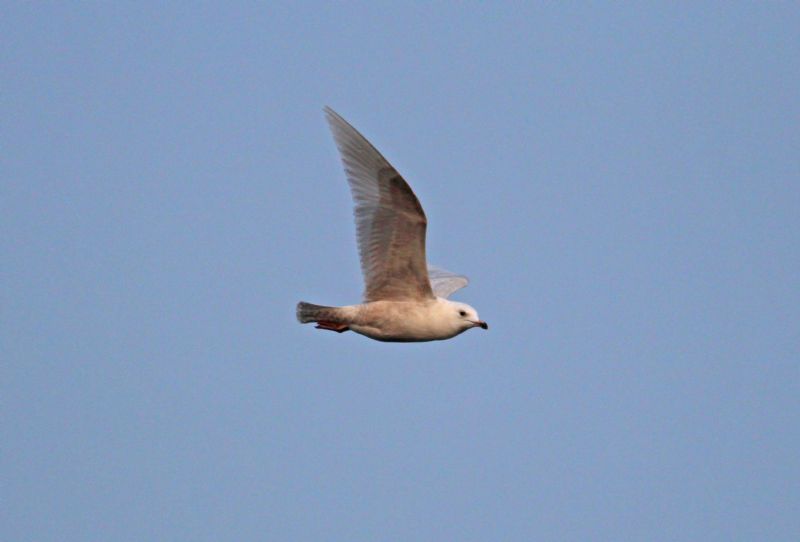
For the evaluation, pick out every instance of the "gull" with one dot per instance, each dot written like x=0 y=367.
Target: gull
x=405 y=299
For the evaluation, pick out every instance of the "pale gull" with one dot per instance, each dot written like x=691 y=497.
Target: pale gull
x=405 y=299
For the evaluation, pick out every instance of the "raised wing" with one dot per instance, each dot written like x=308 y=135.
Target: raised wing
x=390 y=222
x=444 y=283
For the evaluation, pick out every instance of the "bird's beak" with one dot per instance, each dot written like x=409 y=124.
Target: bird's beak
x=481 y=324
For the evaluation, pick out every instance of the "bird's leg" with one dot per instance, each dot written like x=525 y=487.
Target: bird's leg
x=332 y=326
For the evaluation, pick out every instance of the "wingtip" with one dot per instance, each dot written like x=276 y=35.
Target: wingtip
x=329 y=112
x=339 y=126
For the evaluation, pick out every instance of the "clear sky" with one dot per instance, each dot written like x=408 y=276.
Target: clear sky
x=621 y=182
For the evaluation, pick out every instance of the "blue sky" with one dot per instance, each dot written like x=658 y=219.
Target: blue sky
x=620 y=182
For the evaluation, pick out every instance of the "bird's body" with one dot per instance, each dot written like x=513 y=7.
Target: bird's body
x=405 y=298
x=396 y=321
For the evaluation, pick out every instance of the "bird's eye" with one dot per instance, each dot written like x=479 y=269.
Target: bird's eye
x=462 y=313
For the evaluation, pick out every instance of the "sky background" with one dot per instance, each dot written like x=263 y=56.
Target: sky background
x=621 y=182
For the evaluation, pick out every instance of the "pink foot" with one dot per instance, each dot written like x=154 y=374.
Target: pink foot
x=332 y=326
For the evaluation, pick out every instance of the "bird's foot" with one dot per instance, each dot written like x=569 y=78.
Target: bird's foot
x=332 y=326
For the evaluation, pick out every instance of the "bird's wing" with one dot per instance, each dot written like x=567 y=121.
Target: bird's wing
x=390 y=222
x=444 y=283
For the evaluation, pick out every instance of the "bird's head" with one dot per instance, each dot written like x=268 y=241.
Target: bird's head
x=464 y=316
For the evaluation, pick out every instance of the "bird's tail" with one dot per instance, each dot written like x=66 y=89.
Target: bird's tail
x=308 y=312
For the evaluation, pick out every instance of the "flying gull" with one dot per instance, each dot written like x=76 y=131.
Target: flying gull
x=405 y=299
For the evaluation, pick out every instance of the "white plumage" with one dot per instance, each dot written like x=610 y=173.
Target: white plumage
x=405 y=299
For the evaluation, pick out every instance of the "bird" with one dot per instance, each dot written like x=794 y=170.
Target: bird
x=405 y=298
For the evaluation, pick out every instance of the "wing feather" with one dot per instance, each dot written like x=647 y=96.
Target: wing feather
x=444 y=283
x=390 y=222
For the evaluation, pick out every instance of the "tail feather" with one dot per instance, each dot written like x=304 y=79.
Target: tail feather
x=308 y=312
